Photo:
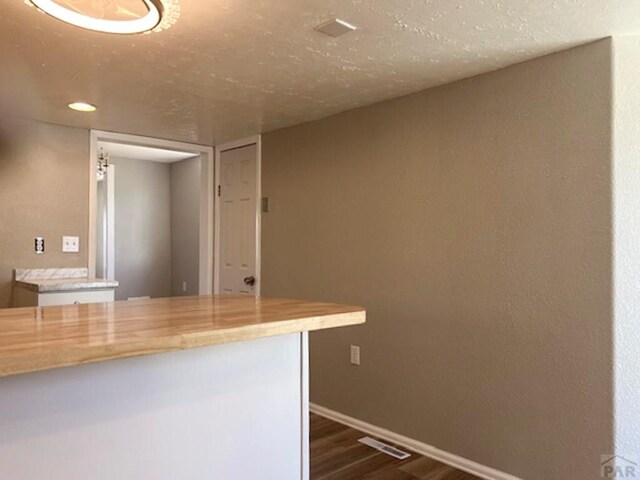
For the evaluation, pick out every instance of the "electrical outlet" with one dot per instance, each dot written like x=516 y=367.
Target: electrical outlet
x=70 y=244
x=184 y=286
x=355 y=355
x=39 y=245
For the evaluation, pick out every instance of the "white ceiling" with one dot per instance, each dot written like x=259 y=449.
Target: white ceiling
x=231 y=68
x=139 y=152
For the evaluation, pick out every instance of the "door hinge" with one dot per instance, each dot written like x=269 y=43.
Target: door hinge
x=219 y=190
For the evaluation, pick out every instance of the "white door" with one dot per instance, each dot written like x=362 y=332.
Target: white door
x=239 y=220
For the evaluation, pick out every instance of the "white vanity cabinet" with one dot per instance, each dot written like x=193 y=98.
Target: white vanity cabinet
x=61 y=286
x=26 y=298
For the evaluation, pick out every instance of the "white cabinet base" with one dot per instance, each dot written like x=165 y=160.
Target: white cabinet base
x=227 y=412
x=27 y=298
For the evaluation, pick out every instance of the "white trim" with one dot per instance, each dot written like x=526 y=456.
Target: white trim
x=244 y=142
x=216 y=228
x=206 y=224
x=110 y=257
x=206 y=198
x=304 y=397
x=93 y=205
x=258 y=215
x=451 y=459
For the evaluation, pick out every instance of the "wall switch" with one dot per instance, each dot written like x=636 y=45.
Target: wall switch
x=70 y=244
x=184 y=286
x=355 y=355
x=39 y=245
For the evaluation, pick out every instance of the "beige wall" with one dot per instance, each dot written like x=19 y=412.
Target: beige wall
x=142 y=228
x=43 y=192
x=474 y=223
x=185 y=226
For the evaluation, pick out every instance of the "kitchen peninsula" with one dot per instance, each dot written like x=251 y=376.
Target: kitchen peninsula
x=209 y=387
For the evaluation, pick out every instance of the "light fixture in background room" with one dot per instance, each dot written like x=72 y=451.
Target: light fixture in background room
x=82 y=107
x=103 y=164
x=113 y=16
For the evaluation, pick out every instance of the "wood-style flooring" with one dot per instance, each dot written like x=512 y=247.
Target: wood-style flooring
x=337 y=455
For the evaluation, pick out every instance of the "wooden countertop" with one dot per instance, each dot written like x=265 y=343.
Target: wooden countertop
x=42 y=338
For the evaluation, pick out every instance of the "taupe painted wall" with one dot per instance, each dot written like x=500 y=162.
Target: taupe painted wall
x=43 y=192
x=185 y=226
x=143 y=228
x=626 y=200
x=474 y=223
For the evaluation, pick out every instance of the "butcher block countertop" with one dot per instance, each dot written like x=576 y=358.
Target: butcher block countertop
x=42 y=338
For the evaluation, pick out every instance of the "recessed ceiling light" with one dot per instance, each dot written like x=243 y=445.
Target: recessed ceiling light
x=150 y=15
x=82 y=107
x=336 y=28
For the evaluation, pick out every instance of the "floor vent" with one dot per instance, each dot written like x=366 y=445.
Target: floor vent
x=384 y=448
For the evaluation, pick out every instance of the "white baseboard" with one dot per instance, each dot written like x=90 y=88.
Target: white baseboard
x=422 y=448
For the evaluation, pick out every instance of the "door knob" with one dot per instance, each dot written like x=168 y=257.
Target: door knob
x=249 y=280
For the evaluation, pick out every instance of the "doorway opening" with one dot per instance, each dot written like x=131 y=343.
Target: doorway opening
x=151 y=226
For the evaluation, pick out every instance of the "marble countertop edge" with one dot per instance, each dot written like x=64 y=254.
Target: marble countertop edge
x=65 y=284
x=43 y=280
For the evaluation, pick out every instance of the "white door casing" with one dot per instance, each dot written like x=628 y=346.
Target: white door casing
x=109 y=225
x=238 y=218
x=206 y=197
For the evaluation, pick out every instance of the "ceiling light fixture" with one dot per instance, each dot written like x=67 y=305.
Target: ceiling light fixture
x=82 y=107
x=160 y=14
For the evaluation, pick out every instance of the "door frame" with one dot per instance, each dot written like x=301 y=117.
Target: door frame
x=110 y=246
x=206 y=196
x=244 y=142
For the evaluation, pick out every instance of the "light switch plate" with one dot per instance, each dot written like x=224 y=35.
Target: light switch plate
x=70 y=244
x=355 y=355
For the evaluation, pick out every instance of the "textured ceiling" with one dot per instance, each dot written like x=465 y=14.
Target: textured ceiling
x=231 y=68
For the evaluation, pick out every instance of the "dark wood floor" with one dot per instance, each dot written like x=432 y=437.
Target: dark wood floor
x=337 y=455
